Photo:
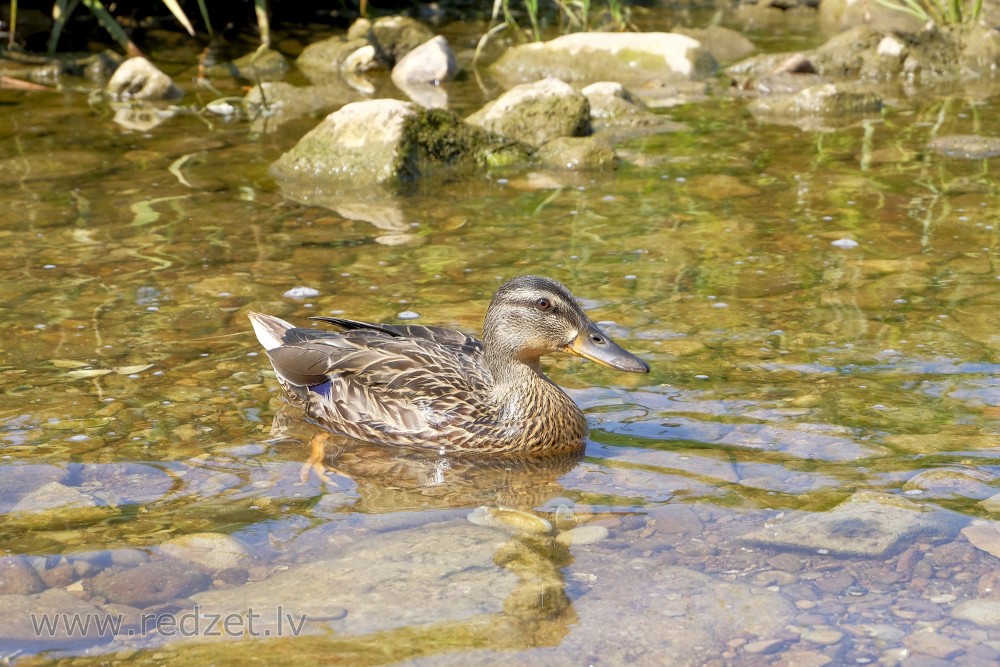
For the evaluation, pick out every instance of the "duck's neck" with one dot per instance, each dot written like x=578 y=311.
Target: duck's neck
x=529 y=407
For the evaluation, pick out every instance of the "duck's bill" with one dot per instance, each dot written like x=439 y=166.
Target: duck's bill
x=592 y=343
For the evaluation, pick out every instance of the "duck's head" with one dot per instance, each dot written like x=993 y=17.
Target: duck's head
x=531 y=316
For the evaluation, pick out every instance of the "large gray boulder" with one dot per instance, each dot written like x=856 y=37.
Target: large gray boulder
x=636 y=59
x=534 y=113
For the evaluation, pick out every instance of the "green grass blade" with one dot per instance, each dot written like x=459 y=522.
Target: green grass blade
x=113 y=27
x=179 y=14
x=13 y=24
x=204 y=17
x=61 y=11
x=263 y=22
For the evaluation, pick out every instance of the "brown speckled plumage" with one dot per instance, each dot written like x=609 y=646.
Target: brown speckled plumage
x=440 y=389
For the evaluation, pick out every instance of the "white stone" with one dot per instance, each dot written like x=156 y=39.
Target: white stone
x=139 y=79
x=431 y=62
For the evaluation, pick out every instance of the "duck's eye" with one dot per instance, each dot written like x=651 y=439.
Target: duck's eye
x=543 y=304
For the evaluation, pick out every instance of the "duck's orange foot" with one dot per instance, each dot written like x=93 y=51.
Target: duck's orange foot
x=316 y=463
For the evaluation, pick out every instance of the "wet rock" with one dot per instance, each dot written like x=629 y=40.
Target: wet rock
x=148 y=584
x=815 y=107
x=215 y=551
x=991 y=504
x=513 y=520
x=395 y=36
x=951 y=482
x=868 y=524
x=427 y=95
x=966 y=146
x=385 y=142
x=432 y=62
x=700 y=608
x=125 y=483
x=984 y=535
x=139 y=79
x=271 y=104
x=589 y=534
x=632 y=59
x=55 y=497
x=725 y=45
x=822 y=636
x=18 y=577
x=931 y=643
x=839 y=15
x=618 y=115
x=330 y=55
x=534 y=113
x=983 y=612
x=56 y=164
x=265 y=65
x=17 y=481
x=382 y=582
x=17 y=631
x=576 y=154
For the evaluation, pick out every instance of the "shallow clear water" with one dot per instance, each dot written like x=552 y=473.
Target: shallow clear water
x=789 y=485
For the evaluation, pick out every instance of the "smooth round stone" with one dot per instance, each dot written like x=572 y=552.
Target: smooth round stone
x=216 y=551
x=822 y=636
x=590 y=534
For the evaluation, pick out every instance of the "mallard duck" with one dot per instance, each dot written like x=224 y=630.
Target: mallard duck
x=435 y=388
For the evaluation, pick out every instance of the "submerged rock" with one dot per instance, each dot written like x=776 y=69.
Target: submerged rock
x=216 y=551
x=264 y=65
x=577 y=154
x=725 y=45
x=139 y=79
x=330 y=55
x=271 y=104
x=636 y=59
x=22 y=613
x=535 y=113
x=617 y=114
x=966 y=146
x=148 y=584
x=817 y=106
x=404 y=578
x=868 y=524
x=18 y=577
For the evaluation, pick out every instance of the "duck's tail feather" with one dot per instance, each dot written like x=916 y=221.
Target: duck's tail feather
x=270 y=330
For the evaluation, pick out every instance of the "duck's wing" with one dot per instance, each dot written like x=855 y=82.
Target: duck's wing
x=372 y=384
x=463 y=341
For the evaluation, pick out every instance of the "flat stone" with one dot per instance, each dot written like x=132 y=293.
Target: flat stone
x=22 y=629
x=629 y=58
x=148 y=584
x=868 y=524
x=984 y=535
x=590 y=534
x=215 y=551
x=983 y=612
x=933 y=644
x=386 y=581
x=966 y=146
